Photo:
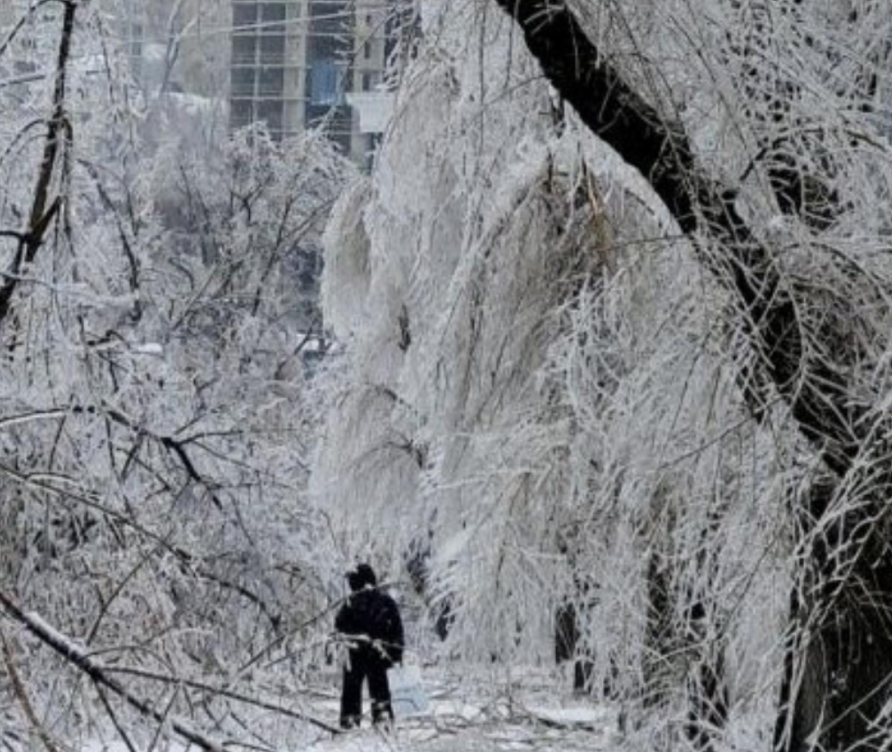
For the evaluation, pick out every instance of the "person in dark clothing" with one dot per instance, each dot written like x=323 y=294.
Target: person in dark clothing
x=371 y=620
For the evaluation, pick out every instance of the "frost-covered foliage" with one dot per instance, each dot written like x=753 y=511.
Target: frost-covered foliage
x=154 y=429
x=552 y=395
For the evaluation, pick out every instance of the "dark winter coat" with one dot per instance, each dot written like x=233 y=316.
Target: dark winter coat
x=374 y=617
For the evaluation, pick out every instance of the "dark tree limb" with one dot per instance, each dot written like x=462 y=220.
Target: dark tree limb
x=43 y=209
x=704 y=210
x=175 y=446
x=126 y=245
x=103 y=698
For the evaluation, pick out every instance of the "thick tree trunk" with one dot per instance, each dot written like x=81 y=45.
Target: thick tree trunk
x=840 y=658
x=839 y=684
x=838 y=669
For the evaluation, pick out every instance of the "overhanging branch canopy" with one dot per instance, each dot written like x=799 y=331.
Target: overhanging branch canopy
x=705 y=211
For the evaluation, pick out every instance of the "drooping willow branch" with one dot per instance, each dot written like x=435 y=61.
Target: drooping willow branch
x=705 y=211
x=840 y=630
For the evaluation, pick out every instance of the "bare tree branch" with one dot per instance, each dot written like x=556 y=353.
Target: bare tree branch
x=704 y=210
x=98 y=673
x=42 y=209
x=846 y=574
x=223 y=692
x=19 y=689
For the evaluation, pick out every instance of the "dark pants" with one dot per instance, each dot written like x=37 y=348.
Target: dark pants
x=365 y=665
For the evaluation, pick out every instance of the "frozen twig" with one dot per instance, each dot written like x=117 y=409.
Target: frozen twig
x=22 y=696
x=76 y=655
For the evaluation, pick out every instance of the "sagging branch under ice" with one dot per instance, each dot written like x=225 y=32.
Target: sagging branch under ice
x=100 y=674
x=840 y=622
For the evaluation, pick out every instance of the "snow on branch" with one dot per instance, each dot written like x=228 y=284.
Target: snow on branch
x=75 y=655
x=100 y=674
x=24 y=701
x=704 y=210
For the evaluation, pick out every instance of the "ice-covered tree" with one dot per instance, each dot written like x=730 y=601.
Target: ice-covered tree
x=154 y=429
x=618 y=336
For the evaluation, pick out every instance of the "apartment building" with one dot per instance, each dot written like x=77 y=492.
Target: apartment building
x=294 y=62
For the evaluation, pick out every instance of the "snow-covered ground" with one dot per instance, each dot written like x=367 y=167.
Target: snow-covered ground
x=460 y=719
x=466 y=716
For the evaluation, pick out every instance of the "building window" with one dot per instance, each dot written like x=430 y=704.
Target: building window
x=136 y=35
x=270 y=13
x=243 y=50
x=370 y=80
x=272 y=82
x=244 y=15
x=367 y=50
x=271 y=113
x=324 y=82
x=241 y=113
x=272 y=50
x=242 y=82
x=371 y=147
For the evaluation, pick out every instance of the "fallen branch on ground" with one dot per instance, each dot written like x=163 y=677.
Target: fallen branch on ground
x=98 y=673
x=223 y=692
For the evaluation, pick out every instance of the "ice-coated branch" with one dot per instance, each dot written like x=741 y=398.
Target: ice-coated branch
x=21 y=23
x=43 y=209
x=224 y=692
x=40 y=482
x=75 y=655
x=834 y=689
x=172 y=445
x=704 y=209
x=19 y=690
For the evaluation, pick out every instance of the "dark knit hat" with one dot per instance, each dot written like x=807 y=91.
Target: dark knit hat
x=361 y=576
